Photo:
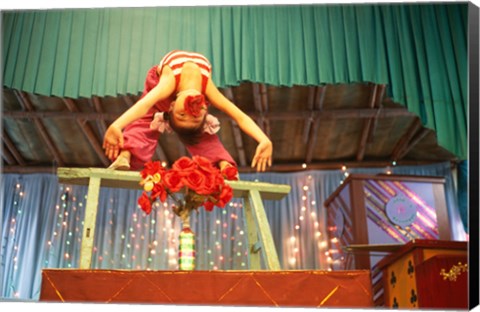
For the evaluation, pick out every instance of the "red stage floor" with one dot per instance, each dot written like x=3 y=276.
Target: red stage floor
x=350 y=289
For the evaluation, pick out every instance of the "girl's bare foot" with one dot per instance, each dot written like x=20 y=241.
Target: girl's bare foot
x=122 y=162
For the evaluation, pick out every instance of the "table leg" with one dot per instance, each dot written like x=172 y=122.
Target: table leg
x=269 y=251
x=90 y=218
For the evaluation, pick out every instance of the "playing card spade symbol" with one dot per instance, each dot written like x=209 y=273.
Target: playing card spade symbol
x=393 y=279
x=413 y=297
x=410 y=268
x=395 y=303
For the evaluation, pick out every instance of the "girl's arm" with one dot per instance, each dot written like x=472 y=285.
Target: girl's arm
x=263 y=154
x=113 y=139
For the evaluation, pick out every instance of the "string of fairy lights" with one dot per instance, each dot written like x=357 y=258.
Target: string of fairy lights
x=11 y=240
x=150 y=242
x=308 y=229
x=328 y=243
x=157 y=234
x=143 y=232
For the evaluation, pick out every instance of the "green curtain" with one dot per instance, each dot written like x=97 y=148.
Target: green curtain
x=418 y=50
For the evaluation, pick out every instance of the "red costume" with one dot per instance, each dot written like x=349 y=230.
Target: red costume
x=141 y=141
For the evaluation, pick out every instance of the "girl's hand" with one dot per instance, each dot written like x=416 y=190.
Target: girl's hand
x=263 y=155
x=113 y=142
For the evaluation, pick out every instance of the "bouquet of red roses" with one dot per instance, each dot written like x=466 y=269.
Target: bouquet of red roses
x=201 y=184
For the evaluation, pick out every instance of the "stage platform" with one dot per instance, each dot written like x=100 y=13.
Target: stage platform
x=346 y=289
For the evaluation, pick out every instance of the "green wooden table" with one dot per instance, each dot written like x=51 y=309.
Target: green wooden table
x=259 y=234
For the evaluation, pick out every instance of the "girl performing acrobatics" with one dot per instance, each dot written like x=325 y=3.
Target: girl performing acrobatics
x=176 y=97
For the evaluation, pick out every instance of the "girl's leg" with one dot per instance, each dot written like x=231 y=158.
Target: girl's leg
x=139 y=144
x=211 y=148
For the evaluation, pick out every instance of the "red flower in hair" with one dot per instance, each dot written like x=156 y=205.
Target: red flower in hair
x=193 y=104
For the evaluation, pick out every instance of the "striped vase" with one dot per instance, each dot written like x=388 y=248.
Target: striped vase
x=186 y=249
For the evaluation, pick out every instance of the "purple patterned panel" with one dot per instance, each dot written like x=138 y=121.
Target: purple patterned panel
x=379 y=193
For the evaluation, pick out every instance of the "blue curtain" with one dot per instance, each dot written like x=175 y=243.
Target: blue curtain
x=462 y=192
x=42 y=227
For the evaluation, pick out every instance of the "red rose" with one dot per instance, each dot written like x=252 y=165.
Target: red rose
x=193 y=104
x=173 y=180
x=225 y=196
x=209 y=185
x=151 y=168
x=184 y=165
x=230 y=173
x=208 y=205
x=159 y=192
x=219 y=180
x=203 y=163
x=194 y=180
x=145 y=203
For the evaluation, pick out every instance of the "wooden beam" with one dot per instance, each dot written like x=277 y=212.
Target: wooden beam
x=257 y=101
x=309 y=121
x=7 y=156
x=128 y=101
x=335 y=164
x=418 y=137
x=290 y=167
x=12 y=149
x=41 y=129
x=237 y=133
x=320 y=97
x=101 y=124
x=88 y=132
x=60 y=115
x=277 y=115
x=379 y=102
x=405 y=139
x=313 y=135
x=312 y=141
x=362 y=145
x=264 y=102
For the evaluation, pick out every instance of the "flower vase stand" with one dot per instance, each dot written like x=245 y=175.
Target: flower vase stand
x=259 y=234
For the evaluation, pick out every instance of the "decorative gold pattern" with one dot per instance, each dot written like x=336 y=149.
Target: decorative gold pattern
x=328 y=296
x=55 y=288
x=454 y=272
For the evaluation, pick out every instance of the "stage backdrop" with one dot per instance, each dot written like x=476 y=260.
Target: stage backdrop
x=42 y=227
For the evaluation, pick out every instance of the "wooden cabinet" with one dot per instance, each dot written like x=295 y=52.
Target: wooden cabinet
x=384 y=210
x=426 y=274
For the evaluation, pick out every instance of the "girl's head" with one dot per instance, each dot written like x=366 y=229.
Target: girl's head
x=187 y=115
